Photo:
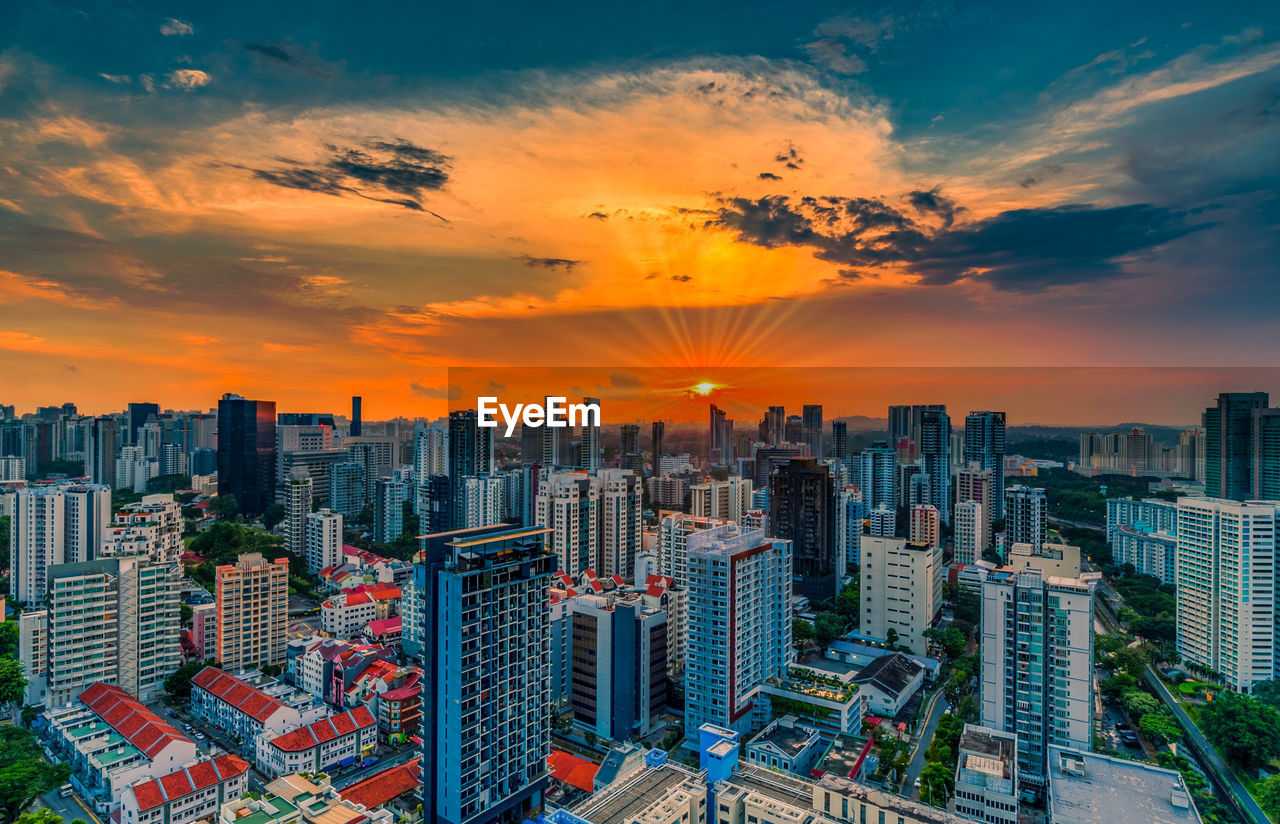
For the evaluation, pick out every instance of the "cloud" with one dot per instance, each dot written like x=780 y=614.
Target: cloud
x=70 y=367
x=548 y=262
x=273 y=52
x=840 y=39
x=625 y=380
x=1015 y=250
x=598 y=216
x=375 y=170
x=173 y=27
x=118 y=79
x=681 y=278
x=188 y=80
x=432 y=392
x=768 y=176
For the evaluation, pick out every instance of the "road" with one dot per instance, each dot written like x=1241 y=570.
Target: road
x=1244 y=801
x=937 y=708
x=387 y=758
x=69 y=808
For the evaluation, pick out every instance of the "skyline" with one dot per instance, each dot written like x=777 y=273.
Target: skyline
x=317 y=203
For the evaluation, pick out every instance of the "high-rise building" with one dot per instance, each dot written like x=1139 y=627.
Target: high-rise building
x=592 y=452
x=803 y=510
x=775 y=425
x=720 y=441
x=629 y=456
x=1227 y=557
x=346 y=488
x=1025 y=516
x=618 y=664
x=253 y=611
x=595 y=520
x=1265 y=463
x=738 y=627
x=935 y=457
x=1144 y=533
x=876 y=474
x=901 y=590
x=974 y=483
x=971 y=536
x=378 y=457
x=855 y=513
x=486 y=694
x=139 y=413
x=390 y=495
x=247 y=452
x=811 y=432
x=1037 y=663
x=323 y=540
x=52 y=525
x=150 y=527
x=673 y=542
x=100 y=450
x=470 y=453
x=113 y=620
x=839 y=440
x=883 y=522
x=620 y=512
x=1229 y=449
x=925 y=526
x=984 y=445
x=297 y=506
x=658 y=434
x=726 y=500
x=357 y=424
x=987 y=775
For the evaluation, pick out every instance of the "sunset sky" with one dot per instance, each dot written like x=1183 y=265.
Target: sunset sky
x=302 y=201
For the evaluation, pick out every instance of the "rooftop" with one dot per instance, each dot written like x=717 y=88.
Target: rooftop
x=620 y=805
x=786 y=735
x=190 y=779
x=573 y=770
x=1085 y=787
x=127 y=716
x=249 y=700
x=893 y=673
x=326 y=729
x=382 y=787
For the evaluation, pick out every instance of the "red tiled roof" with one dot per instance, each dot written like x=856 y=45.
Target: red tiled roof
x=380 y=788
x=326 y=729
x=249 y=700
x=617 y=579
x=596 y=586
x=663 y=580
x=142 y=727
x=385 y=625
x=655 y=591
x=402 y=693
x=188 y=780
x=572 y=770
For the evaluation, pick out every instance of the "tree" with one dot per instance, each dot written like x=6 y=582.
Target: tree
x=1118 y=684
x=8 y=637
x=1160 y=728
x=828 y=627
x=226 y=506
x=185 y=614
x=13 y=682
x=891 y=639
x=967 y=708
x=24 y=775
x=179 y=683
x=1268 y=795
x=1245 y=731
x=1132 y=660
x=1268 y=692
x=802 y=630
x=44 y=817
x=1138 y=703
x=272 y=516
x=935 y=783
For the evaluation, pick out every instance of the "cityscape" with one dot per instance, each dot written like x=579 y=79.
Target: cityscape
x=243 y=614
x=671 y=413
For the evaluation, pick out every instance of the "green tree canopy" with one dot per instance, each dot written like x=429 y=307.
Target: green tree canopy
x=179 y=683
x=24 y=775
x=1160 y=728
x=1268 y=795
x=1245 y=731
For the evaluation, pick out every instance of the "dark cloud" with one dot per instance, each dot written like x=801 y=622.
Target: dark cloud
x=1016 y=250
x=625 y=380
x=434 y=392
x=374 y=171
x=548 y=262
x=70 y=367
x=682 y=278
x=273 y=52
x=768 y=176
x=598 y=216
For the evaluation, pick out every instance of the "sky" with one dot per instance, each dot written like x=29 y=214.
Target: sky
x=301 y=202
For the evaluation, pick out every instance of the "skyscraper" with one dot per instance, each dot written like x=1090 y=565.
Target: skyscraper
x=139 y=413
x=1227 y=557
x=659 y=432
x=720 y=438
x=924 y=526
x=297 y=506
x=247 y=452
x=738 y=627
x=486 y=695
x=803 y=510
x=324 y=540
x=876 y=474
x=1025 y=516
x=470 y=453
x=811 y=416
x=253 y=607
x=775 y=424
x=935 y=457
x=100 y=450
x=346 y=488
x=592 y=454
x=629 y=456
x=984 y=444
x=53 y=525
x=1228 y=448
x=839 y=440
x=390 y=495
x=973 y=483
x=1037 y=663
x=619 y=665
x=970 y=532
x=357 y=425
x=1265 y=469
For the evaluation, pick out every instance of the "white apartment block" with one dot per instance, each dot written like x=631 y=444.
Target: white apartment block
x=727 y=500
x=970 y=532
x=485 y=500
x=901 y=589
x=738 y=627
x=620 y=521
x=567 y=504
x=1227 y=578
x=1037 y=663
x=673 y=542
x=297 y=506
x=51 y=525
x=12 y=468
x=323 y=546
x=987 y=776
x=204 y=629
x=1026 y=515
x=884 y=522
x=33 y=652
x=151 y=527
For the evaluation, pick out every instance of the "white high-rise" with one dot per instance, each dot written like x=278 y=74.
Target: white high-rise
x=1227 y=579
x=738 y=626
x=620 y=521
x=1026 y=516
x=297 y=506
x=901 y=589
x=151 y=527
x=595 y=519
x=323 y=539
x=970 y=532
x=52 y=525
x=673 y=542
x=430 y=457
x=13 y=468
x=484 y=500
x=1037 y=663
x=726 y=500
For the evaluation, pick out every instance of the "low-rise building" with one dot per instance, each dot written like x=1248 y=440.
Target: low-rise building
x=787 y=745
x=987 y=775
x=384 y=632
x=243 y=711
x=888 y=683
x=194 y=792
x=1085 y=787
x=301 y=799
x=338 y=740
x=822 y=693
x=112 y=742
x=347 y=613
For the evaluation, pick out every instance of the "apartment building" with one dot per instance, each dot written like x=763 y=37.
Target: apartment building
x=901 y=589
x=192 y=793
x=253 y=608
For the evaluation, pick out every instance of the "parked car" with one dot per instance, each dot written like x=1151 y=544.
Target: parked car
x=66 y=790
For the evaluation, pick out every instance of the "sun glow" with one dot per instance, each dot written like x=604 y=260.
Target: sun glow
x=704 y=389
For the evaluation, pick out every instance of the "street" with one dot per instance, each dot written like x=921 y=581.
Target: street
x=387 y=758
x=937 y=708
x=69 y=808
